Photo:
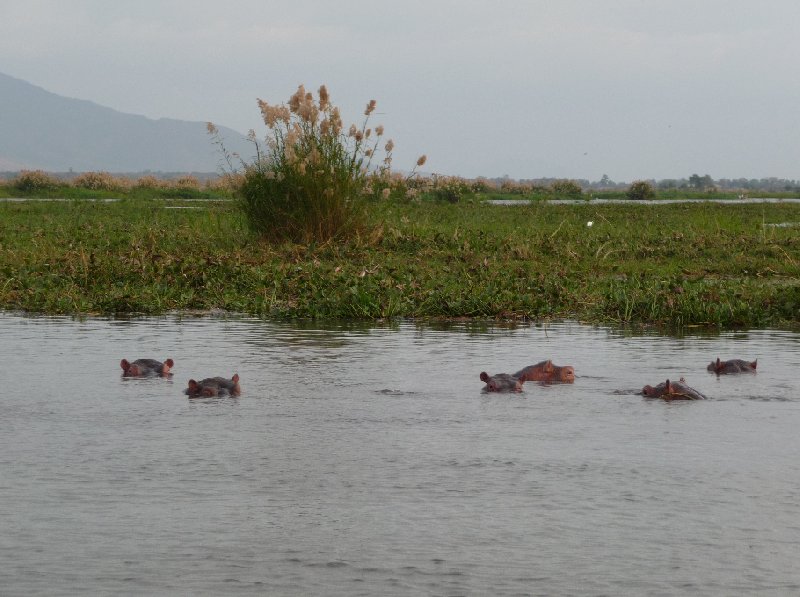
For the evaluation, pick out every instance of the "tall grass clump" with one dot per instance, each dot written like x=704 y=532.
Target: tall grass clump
x=29 y=181
x=566 y=188
x=309 y=180
x=99 y=181
x=640 y=190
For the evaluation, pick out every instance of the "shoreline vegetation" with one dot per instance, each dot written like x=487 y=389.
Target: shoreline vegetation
x=669 y=265
x=318 y=226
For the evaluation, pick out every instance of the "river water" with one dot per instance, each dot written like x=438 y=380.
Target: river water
x=365 y=460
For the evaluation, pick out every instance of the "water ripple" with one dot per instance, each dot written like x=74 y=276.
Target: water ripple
x=365 y=460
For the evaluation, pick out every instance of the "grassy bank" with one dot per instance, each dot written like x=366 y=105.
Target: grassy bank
x=680 y=264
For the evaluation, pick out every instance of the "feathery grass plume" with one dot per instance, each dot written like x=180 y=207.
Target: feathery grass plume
x=324 y=98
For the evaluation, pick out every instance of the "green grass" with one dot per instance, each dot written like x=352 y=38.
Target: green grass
x=66 y=191
x=669 y=265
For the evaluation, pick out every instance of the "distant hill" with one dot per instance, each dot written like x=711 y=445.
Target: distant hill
x=42 y=130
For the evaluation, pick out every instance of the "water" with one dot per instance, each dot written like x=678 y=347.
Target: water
x=596 y=201
x=365 y=460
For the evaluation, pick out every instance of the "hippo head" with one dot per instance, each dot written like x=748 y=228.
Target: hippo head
x=502 y=382
x=565 y=374
x=491 y=386
x=197 y=389
x=129 y=369
x=649 y=390
x=658 y=391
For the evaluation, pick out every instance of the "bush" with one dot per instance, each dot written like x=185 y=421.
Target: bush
x=640 y=189
x=187 y=183
x=309 y=181
x=148 y=182
x=97 y=181
x=449 y=188
x=566 y=188
x=34 y=180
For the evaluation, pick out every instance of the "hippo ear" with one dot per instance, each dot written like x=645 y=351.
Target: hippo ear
x=235 y=378
x=169 y=363
x=192 y=384
x=754 y=364
x=484 y=376
x=719 y=363
x=124 y=364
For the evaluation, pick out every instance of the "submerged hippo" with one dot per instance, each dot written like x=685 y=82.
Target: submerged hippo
x=502 y=382
x=146 y=368
x=545 y=372
x=214 y=386
x=672 y=390
x=732 y=366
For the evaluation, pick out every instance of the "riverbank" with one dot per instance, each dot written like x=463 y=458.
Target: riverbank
x=672 y=265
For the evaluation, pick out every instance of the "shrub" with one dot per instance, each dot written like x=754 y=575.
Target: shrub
x=34 y=180
x=309 y=180
x=449 y=188
x=97 y=181
x=566 y=188
x=148 y=182
x=483 y=185
x=187 y=182
x=512 y=187
x=640 y=189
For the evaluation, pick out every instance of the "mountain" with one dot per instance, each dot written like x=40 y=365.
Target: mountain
x=42 y=130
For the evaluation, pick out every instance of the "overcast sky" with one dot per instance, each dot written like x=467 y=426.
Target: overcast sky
x=526 y=88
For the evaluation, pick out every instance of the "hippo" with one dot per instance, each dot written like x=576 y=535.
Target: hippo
x=732 y=366
x=547 y=372
x=672 y=390
x=214 y=386
x=502 y=382
x=146 y=368
x=544 y=372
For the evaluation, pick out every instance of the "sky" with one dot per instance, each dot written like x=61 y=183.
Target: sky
x=631 y=89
